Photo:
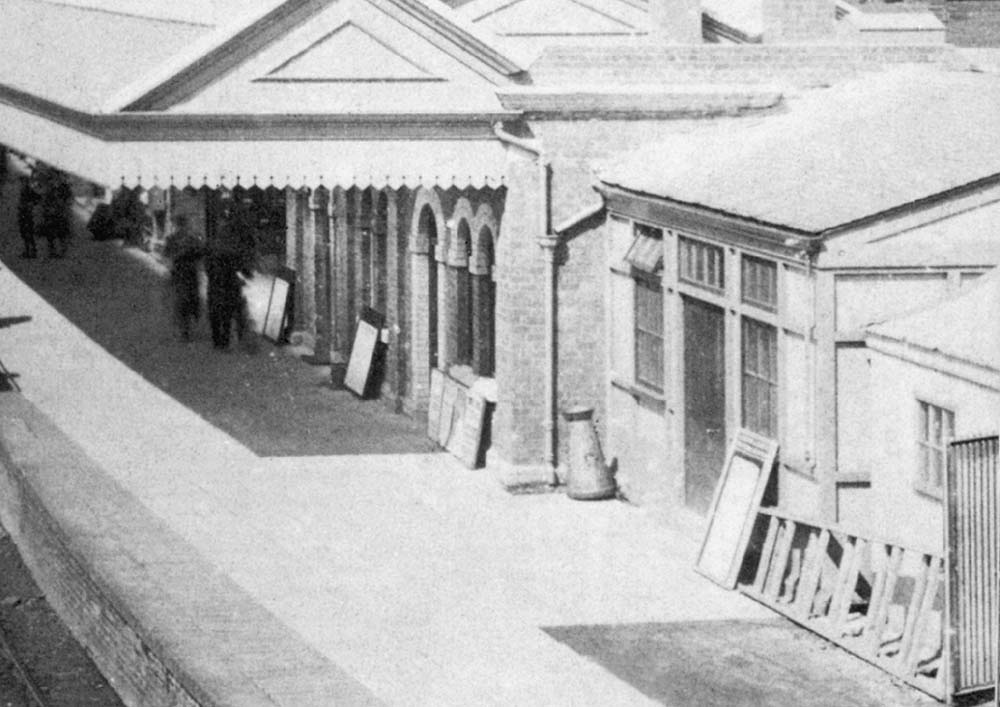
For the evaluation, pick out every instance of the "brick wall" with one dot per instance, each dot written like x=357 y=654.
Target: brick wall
x=161 y=623
x=130 y=665
x=973 y=23
x=797 y=20
x=518 y=435
x=798 y=65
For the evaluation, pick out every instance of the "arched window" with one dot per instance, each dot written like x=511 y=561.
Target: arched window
x=380 y=254
x=367 y=264
x=464 y=301
x=484 y=303
x=428 y=230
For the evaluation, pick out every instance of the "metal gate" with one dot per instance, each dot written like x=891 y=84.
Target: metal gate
x=971 y=546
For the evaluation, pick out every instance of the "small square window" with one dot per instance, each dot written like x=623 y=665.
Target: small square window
x=760 y=282
x=701 y=264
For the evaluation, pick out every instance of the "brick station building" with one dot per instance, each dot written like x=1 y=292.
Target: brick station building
x=434 y=163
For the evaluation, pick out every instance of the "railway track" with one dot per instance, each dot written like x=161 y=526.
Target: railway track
x=41 y=664
x=30 y=688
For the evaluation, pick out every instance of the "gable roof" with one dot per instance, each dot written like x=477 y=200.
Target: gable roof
x=965 y=234
x=232 y=47
x=965 y=328
x=837 y=156
x=528 y=26
x=559 y=18
x=79 y=56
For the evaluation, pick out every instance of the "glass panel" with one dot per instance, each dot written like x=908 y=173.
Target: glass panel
x=646 y=252
x=701 y=264
x=937 y=429
x=760 y=388
x=649 y=334
x=760 y=282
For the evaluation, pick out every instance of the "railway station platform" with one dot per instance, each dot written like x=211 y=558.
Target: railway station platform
x=200 y=571
x=204 y=571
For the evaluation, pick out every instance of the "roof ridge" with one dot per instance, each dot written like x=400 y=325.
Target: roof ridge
x=83 y=6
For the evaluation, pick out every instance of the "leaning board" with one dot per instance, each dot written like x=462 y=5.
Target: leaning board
x=738 y=494
x=469 y=436
x=363 y=352
x=276 y=316
x=434 y=406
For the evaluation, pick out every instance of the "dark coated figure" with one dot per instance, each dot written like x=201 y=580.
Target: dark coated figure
x=55 y=209
x=230 y=254
x=184 y=250
x=26 y=207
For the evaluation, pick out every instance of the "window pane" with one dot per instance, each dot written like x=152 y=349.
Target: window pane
x=649 y=334
x=701 y=263
x=760 y=378
x=760 y=282
x=936 y=430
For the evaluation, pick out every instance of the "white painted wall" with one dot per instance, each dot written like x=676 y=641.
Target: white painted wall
x=898 y=510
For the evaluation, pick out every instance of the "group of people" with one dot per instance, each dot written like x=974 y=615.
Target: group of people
x=44 y=208
x=228 y=257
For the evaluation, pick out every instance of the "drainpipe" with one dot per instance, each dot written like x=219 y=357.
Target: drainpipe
x=547 y=241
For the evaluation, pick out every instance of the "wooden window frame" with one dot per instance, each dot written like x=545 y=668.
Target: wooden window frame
x=699 y=248
x=755 y=378
x=929 y=448
x=644 y=284
x=750 y=283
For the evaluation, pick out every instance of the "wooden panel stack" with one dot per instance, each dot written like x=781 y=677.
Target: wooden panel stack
x=879 y=600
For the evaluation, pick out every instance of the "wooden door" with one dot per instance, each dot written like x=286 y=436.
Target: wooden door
x=704 y=401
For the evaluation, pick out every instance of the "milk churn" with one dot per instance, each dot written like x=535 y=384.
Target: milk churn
x=587 y=477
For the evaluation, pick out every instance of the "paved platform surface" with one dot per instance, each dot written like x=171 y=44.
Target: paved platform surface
x=420 y=582
x=424 y=581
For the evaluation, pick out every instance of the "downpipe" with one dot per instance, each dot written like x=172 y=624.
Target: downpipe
x=547 y=241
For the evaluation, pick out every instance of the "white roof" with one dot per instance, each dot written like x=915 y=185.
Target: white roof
x=836 y=156
x=964 y=235
x=747 y=16
x=965 y=327
x=79 y=56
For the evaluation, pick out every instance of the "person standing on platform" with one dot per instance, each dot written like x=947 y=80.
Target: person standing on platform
x=56 y=202
x=26 y=217
x=184 y=250
x=230 y=254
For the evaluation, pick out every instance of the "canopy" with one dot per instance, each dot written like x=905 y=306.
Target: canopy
x=312 y=163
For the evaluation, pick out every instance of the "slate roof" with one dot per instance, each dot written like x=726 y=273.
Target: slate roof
x=80 y=56
x=970 y=237
x=745 y=16
x=836 y=156
x=965 y=327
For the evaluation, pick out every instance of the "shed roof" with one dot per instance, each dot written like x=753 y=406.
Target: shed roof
x=79 y=56
x=836 y=155
x=965 y=327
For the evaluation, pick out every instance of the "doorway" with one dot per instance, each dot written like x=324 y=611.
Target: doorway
x=704 y=401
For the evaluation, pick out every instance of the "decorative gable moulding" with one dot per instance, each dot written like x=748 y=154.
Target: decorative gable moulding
x=526 y=18
x=349 y=53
